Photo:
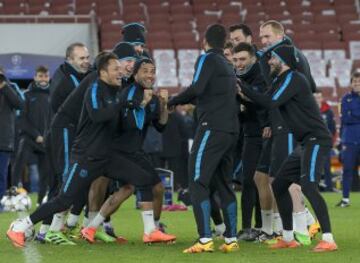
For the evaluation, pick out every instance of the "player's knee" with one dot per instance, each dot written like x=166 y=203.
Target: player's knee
x=128 y=188
x=295 y=189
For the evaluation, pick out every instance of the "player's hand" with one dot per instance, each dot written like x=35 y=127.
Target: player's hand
x=2 y=80
x=2 y=84
x=171 y=109
x=39 y=139
x=164 y=95
x=266 y=132
x=148 y=93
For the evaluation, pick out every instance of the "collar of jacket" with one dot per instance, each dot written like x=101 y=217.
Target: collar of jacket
x=252 y=74
x=354 y=94
x=111 y=88
x=282 y=76
x=34 y=87
x=215 y=50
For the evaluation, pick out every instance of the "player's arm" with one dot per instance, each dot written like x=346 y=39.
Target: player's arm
x=286 y=91
x=25 y=123
x=14 y=99
x=349 y=115
x=332 y=123
x=98 y=109
x=162 y=114
x=59 y=94
x=204 y=69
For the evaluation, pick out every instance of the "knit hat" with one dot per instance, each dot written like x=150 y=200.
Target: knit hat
x=286 y=54
x=134 y=33
x=141 y=61
x=125 y=51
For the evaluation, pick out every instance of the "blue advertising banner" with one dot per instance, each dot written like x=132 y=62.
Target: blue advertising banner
x=22 y=66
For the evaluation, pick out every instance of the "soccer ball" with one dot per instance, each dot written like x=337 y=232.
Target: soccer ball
x=7 y=202
x=29 y=233
x=22 y=202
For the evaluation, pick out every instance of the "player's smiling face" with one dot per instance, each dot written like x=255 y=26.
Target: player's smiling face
x=275 y=66
x=112 y=75
x=268 y=37
x=80 y=59
x=42 y=79
x=127 y=67
x=242 y=60
x=146 y=75
x=237 y=37
x=355 y=84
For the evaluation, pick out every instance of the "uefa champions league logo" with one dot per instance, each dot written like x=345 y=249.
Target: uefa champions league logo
x=16 y=60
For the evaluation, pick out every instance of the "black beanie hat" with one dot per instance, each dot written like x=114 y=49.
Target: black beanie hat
x=286 y=54
x=134 y=33
x=125 y=51
x=139 y=62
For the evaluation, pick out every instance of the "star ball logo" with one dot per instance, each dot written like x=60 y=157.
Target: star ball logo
x=16 y=60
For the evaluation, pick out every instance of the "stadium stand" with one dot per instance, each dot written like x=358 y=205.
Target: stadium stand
x=327 y=30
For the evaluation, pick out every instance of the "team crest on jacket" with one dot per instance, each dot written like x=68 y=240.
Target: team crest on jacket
x=83 y=173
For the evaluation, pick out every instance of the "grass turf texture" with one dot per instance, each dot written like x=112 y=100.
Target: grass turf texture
x=127 y=221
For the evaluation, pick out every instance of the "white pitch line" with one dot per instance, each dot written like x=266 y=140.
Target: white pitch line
x=31 y=253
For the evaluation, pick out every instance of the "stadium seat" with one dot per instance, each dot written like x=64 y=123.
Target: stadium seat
x=334 y=54
x=354 y=48
x=324 y=81
x=312 y=53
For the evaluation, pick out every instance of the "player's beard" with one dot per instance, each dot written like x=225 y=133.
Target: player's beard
x=146 y=84
x=275 y=70
x=42 y=84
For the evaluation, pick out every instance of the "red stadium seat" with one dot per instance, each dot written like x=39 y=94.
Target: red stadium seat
x=347 y=18
x=229 y=11
x=181 y=27
x=345 y=9
x=159 y=18
x=308 y=44
x=303 y=19
x=344 y=2
x=334 y=45
x=186 y=44
x=255 y=18
x=158 y=9
x=325 y=19
x=61 y=10
x=183 y=36
x=182 y=18
x=201 y=8
x=254 y=9
x=351 y=36
x=14 y=9
x=326 y=27
x=181 y=9
x=325 y=36
x=230 y=20
x=158 y=26
x=160 y=44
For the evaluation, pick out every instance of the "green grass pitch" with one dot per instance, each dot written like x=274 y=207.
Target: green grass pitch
x=345 y=223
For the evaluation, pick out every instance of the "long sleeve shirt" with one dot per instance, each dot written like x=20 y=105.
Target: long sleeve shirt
x=214 y=90
x=291 y=93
